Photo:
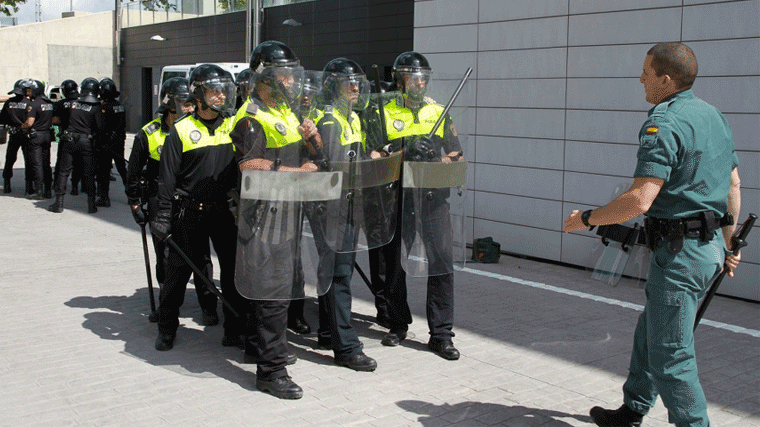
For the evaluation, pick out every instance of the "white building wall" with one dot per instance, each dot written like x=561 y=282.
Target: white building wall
x=558 y=106
x=52 y=51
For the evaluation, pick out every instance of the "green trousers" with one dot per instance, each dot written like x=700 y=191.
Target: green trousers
x=663 y=361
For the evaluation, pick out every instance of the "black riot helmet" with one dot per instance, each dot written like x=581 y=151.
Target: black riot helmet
x=312 y=86
x=174 y=93
x=70 y=89
x=214 y=87
x=242 y=81
x=412 y=65
x=32 y=85
x=40 y=89
x=108 y=89
x=345 y=85
x=274 y=64
x=89 y=90
x=17 y=88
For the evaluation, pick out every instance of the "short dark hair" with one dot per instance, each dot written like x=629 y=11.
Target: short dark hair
x=676 y=60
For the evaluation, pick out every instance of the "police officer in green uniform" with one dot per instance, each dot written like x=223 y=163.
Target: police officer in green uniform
x=687 y=183
x=268 y=136
x=142 y=183
x=196 y=172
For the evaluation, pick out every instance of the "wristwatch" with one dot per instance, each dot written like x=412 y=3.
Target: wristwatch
x=584 y=219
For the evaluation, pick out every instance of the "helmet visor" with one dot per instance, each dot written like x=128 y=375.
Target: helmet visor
x=219 y=94
x=349 y=91
x=286 y=82
x=415 y=82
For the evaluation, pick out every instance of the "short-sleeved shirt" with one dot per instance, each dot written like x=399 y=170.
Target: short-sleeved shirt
x=687 y=143
x=41 y=109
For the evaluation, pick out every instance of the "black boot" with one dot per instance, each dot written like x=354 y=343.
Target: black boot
x=91 y=204
x=39 y=194
x=103 y=201
x=48 y=191
x=29 y=188
x=57 y=207
x=6 y=185
x=621 y=417
x=74 y=190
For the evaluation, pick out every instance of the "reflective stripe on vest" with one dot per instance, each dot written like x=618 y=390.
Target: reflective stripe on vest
x=399 y=121
x=350 y=133
x=156 y=138
x=280 y=126
x=194 y=134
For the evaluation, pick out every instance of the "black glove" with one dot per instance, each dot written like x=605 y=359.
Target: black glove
x=423 y=150
x=138 y=214
x=161 y=226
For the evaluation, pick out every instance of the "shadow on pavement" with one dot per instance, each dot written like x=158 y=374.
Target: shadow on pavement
x=196 y=352
x=488 y=413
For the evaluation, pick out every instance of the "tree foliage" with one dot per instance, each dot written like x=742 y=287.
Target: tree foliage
x=9 y=7
x=156 y=5
x=232 y=5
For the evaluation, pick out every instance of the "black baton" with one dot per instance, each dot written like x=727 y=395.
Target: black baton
x=451 y=102
x=211 y=287
x=737 y=242
x=153 y=315
x=361 y=273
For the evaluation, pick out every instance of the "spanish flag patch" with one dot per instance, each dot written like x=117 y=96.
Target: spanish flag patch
x=652 y=130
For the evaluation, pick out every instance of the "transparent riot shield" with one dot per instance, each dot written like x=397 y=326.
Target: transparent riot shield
x=277 y=255
x=434 y=175
x=364 y=216
x=619 y=251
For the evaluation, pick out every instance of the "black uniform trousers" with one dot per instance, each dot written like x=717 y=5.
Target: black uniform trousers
x=39 y=159
x=75 y=145
x=110 y=150
x=16 y=140
x=267 y=339
x=437 y=238
x=191 y=231
x=206 y=298
x=337 y=306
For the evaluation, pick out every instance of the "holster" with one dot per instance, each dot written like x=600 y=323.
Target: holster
x=673 y=231
x=67 y=136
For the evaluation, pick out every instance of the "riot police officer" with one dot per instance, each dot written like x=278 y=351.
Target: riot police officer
x=70 y=92
x=409 y=118
x=142 y=183
x=344 y=89
x=242 y=81
x=687 y=184
x=81 y=124
x=110 y=147
x=38 y=126
x=196 y=171
x=13 y=115
x=268 y=137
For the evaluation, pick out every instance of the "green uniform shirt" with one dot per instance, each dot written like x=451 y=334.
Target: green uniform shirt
x=688 y=143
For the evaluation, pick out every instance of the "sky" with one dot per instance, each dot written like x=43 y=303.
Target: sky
x=52 y=9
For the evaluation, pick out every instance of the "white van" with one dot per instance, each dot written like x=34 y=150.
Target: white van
x=184 y=70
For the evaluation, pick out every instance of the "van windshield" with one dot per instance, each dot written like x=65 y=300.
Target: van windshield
x=169 y=74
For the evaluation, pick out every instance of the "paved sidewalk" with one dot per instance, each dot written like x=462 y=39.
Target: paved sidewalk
x=540 y=343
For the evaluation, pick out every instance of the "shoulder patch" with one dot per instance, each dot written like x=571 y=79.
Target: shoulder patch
x=118 y=109
x=252 y=109
x=329 y=109
x=152 y=128
x=652 y=130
